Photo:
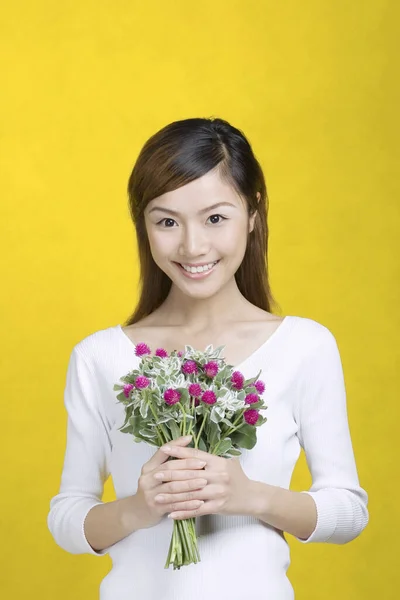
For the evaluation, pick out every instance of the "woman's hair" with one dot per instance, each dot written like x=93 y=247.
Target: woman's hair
x=176 y=155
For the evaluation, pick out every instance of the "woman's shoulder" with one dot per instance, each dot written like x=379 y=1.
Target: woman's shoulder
x=98 y=343
x=311 y=334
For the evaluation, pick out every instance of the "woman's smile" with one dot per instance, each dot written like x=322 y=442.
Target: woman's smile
x=199 y=272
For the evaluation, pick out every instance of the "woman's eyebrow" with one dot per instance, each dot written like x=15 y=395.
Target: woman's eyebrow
x=200 y=212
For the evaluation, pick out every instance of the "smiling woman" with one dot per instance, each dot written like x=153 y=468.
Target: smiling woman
x=188 y=170
x=198 y=200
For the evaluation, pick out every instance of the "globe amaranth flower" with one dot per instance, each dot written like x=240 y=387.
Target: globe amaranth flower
x=142 y=382
x=141 y=349
x=180 y=354
x=172 y=396
x=209 y=397
x=251 y=398
x=251 y=416
x=237 y=380
x=195 y=389
x=260 y=386
x=211 y=369
x=161 y=353
x=189 y=366
x=127 y=388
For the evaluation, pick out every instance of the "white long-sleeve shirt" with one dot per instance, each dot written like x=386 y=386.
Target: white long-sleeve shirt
x=241 y=557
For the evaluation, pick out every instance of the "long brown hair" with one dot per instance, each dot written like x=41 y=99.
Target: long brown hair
x=176 y=155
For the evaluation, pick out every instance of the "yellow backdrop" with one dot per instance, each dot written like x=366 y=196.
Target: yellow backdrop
x=84 y=83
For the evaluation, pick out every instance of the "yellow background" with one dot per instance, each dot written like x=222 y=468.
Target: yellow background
x=315 y=87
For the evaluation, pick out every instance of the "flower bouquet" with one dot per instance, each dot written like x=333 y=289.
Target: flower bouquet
x=190 y=393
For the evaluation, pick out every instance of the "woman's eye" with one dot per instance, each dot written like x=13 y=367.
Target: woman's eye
x=168 y=223
x=165 y=221
x=214 y=222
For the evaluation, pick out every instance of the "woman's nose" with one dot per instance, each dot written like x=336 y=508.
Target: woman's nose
x=194 y=242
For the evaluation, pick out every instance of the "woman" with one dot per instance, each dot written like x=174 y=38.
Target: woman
x=199 y=204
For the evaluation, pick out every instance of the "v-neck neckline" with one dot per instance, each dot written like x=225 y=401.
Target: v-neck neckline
x=275 y=335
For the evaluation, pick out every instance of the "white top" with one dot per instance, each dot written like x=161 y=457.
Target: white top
x=306 y=399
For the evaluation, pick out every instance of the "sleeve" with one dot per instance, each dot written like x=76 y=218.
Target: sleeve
x=86 y=460
x=323 y=432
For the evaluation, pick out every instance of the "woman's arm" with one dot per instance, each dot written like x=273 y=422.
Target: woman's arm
x=110 y=522
x=335 y=508
x=293 y=512
x=78 y=509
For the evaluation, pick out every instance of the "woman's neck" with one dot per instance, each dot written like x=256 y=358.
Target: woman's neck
x=198 y=314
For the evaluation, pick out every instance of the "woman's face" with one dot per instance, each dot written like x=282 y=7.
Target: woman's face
x=202 y=224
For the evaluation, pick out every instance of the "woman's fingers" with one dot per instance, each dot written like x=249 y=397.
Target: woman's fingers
x=160 y=457
x=174 y=487
x=191 y=505
x=166 y=475
x=212 y=492
x=188 y=463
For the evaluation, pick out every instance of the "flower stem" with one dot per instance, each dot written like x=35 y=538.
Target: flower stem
x=184 y=418
x=148 y=398
x=183 y=548
x=201 y=428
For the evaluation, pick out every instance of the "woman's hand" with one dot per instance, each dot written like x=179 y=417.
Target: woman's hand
x=186 y=474
x=228 y=490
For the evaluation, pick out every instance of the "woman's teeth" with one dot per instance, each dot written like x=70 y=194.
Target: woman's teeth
x=199 y=269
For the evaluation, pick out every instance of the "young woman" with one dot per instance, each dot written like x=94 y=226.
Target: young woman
x=199 y=204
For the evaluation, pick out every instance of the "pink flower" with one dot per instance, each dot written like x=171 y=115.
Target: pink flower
x=209 y=397
x=142 y=382
x=172 y=396
x=180 y=354
x=142 y=349
x=127 y=388
x=251 y=398
x=237 y=380
x=211 y=369
x=189 y=367
x=195 y=389
x=260 y=386
x=161 y=353
x=251 y=416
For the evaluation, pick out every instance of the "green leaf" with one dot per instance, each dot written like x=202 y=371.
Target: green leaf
x=174 y=428
x=224 y=446
x=184 y=395
x=245 y=437
x=234 y=452
x=227 y=422
x=144 y=408
x=217 y=414
x=202 y=445
x=127 y=429
x=213 y=434
x=252 y=379
x=147 y=433
x=137 y=424
x=257 y=405
x=128 y=414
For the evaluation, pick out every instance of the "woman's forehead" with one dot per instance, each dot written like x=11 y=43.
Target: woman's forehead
x=198 y=197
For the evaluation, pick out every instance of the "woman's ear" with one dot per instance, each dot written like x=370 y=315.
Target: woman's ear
x=254 y=215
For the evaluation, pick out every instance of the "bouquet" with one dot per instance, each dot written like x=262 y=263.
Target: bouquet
x=190 y=393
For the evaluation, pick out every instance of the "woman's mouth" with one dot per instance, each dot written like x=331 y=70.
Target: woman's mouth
x=197 y=272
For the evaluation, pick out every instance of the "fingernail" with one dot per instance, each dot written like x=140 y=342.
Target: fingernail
x=187 y=437
x=166 y=448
